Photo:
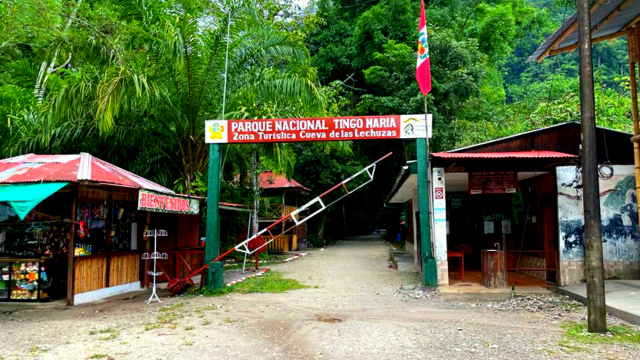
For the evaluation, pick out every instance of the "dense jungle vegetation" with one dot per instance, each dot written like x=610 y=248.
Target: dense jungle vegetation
x=132 y=81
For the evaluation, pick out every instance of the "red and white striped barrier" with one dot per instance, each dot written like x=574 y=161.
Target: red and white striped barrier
x=295 y=257
x=259 y=273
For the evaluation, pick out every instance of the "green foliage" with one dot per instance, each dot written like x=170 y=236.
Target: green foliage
x=271 y=282
x=616 y=334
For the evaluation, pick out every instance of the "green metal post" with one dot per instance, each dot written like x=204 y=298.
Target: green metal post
x=429 y=270
x=214 y=276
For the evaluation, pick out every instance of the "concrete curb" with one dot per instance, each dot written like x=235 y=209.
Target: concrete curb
x=620 y=314
x=259 y=273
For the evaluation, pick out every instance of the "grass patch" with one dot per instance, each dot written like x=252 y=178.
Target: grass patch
x=168 y=318
x=98 y=356
x=171 y=307
x=188 y=343
x=189 y=328
x=208 y=307
x=617 y=334
x=149 y=326
x=206 y=322
x=111 y=333
x=545 y=351
x=569 y=347
x=271 y=282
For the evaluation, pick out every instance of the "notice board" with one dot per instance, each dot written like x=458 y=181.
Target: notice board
x=493 y=182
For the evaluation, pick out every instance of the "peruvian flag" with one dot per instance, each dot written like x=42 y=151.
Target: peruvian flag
x=423 y=68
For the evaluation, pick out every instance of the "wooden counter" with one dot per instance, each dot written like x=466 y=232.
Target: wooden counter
x=95 y=272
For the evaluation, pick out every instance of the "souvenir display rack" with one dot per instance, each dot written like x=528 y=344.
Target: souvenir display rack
x=25 y=280
x=5 y=280
x=155 y=256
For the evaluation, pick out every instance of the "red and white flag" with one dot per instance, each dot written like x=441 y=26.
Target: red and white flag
x=423 y=68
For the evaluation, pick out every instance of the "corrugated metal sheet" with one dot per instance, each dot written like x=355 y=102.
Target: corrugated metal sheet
x=71 y=168
x=269 y=180
x=615 y=24
x=233 y=205
x=504 y=155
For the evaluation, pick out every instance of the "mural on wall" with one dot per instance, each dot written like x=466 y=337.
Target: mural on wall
x=617 y=207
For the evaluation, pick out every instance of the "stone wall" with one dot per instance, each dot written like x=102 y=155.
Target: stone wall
x=572 y=272
x=527 y=261
x=443 y=272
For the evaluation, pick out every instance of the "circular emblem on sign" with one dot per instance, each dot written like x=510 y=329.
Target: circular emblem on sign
x=423 y=45
x=194 y=206
x=216 y=131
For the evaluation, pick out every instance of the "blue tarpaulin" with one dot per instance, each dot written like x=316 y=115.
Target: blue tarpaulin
x=24 y=197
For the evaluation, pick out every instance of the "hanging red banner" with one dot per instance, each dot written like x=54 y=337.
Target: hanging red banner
x=317 y=129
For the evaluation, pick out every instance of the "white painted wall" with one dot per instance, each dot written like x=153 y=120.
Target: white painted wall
x=439 y=214
x=96 y=295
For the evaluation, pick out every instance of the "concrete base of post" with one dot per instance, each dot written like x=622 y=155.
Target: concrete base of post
x=214 y=279
x=429 y=272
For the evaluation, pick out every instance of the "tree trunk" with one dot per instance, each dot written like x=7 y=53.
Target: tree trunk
x=47 y=69
x=255 y=188
x=321 y=229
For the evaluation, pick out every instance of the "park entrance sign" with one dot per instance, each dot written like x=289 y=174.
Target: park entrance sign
x=345 y=128
x=318 y=129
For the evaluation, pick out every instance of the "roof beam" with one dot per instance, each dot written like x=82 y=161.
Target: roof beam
x=573 y=47
x=632 y=23
x=564 y=35
x=625 y=4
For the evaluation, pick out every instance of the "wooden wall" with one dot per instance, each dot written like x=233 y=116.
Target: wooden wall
x=123 y=269
x=89 y=274
x=566 y=139
x=91 y=271
x=188 y=231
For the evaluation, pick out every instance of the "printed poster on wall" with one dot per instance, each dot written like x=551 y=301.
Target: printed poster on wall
x=318 y=129
x=493 y=182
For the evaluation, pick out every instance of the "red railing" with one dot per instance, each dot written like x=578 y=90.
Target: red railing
x=180 y=264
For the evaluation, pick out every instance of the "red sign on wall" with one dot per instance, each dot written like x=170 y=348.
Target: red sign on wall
x=316 y=129
x=439 y=193
x=493 y=182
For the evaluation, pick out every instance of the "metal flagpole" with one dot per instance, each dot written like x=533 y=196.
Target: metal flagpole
x=431 y=223
x=215 y=278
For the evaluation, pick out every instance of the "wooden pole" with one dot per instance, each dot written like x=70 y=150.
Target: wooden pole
x=632 y=49
x=594 y=271
x=71 y=247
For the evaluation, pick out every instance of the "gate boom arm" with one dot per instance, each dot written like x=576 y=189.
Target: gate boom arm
x=370 y=171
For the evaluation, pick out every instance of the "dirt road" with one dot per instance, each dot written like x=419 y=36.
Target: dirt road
x=353 y=310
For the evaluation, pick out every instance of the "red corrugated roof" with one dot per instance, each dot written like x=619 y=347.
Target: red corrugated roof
x=233 y=205
x=504 y=155
x=269 y=180
x=71 y=168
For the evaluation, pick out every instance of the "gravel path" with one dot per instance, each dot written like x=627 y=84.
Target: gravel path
x=353 y=310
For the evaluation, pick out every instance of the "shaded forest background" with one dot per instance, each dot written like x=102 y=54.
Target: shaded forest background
x=132 y=81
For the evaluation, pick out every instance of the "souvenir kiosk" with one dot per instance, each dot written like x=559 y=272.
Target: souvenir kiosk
x=71 y=226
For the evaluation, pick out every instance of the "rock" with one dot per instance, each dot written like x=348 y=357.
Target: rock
x=408 y=287
x=493 y=346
